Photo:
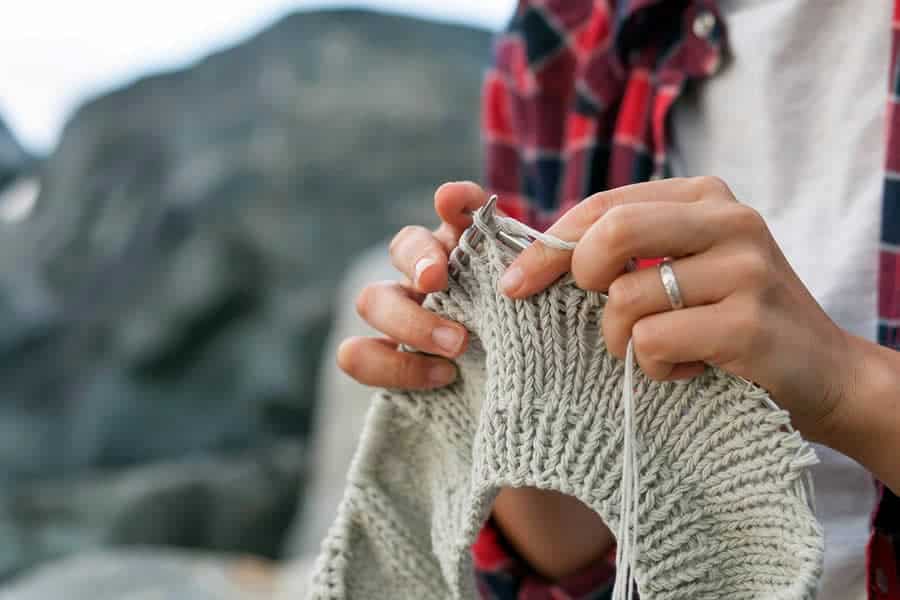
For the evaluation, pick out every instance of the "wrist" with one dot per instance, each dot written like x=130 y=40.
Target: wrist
x=865 y=421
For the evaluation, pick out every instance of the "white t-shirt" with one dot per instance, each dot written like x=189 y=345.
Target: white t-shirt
x=794 y=123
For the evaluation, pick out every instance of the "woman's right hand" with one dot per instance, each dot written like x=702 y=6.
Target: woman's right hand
x=394 y=307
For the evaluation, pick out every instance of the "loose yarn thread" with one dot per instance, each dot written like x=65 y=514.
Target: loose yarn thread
x=626 y=536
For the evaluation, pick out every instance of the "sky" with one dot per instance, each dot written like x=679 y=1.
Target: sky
x=55 y=54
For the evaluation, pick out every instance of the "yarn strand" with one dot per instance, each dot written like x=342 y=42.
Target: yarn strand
x=627 y=531
x=522 y=230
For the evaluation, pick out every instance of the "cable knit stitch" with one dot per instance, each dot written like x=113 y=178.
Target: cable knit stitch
x=723 y=506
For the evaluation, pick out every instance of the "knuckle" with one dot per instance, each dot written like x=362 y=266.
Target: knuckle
x=398 y=239
x=646 y=341
x=710 y=185
x=747 y=220
x=615 y=229
x=597 y=205
x=625 y=292
x=367 y=299
x=403 y=236
x=753 y=268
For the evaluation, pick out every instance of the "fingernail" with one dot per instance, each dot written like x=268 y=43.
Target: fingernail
x=421 y=265
x=448 y=338
x=512 y=280
x=442 y=374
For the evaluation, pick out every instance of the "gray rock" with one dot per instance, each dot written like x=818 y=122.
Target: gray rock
x=14 y=160
x=192 y=229
x=171 y=292
x=241 y=503
x=163 y=573
x=146 y=574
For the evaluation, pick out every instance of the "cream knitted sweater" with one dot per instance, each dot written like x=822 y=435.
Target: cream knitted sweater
x=722 y=507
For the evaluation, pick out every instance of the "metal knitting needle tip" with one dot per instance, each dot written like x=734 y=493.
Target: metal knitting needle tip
x=487 y=213
x=513 y=242
x=489 y=209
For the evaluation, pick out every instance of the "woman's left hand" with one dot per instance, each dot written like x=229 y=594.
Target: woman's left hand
x=745 y=310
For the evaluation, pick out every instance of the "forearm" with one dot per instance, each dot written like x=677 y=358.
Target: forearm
x=556 y=534
x=865 y=425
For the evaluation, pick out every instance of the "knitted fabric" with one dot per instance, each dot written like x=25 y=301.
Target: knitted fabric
x=722 y=503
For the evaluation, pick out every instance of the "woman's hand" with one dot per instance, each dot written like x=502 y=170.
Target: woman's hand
x=746 y=311
x=393 y=308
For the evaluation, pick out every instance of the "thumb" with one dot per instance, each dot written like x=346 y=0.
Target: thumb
x=455 y=202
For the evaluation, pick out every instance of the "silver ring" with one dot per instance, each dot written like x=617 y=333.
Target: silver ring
x=670 y=284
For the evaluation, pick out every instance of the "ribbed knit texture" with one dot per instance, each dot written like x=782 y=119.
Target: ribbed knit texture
x=723 y=504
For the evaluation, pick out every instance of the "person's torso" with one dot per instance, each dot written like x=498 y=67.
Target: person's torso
x=794 y=123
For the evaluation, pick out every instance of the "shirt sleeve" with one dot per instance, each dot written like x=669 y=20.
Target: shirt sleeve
x=501 y=574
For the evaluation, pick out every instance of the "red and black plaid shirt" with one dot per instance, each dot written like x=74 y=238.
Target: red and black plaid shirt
x=577 y=102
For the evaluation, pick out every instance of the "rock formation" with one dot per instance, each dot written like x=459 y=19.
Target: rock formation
x=168 y=298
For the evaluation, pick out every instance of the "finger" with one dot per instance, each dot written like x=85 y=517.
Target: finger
x=419 y=255
x=702 y=279
x=716 y=334
x=378 y=362
x=447 y=236
x=686 y=371
x=388 y=307
x=534 y=269
x=455 y=202
x=645 y=230
x=538 y=266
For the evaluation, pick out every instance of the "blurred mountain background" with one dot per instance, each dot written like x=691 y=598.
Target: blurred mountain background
x=14 y=160
x=169 y=273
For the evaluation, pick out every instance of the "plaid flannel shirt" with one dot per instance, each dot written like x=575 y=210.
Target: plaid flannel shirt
x=577 y=101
